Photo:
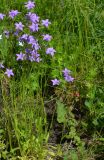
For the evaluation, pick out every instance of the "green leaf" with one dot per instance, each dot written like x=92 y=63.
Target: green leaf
x=88 y=104
x=100 y=139
x=74 y=155
x=95 y=122
x=61 y=112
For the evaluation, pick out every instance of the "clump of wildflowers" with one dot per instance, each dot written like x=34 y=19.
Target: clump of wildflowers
x=31 y=52
x=67 y=75
x=24 y=34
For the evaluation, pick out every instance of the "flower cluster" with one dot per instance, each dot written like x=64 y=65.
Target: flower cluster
x=67 y=77
x=27 y=34
x=29 y=47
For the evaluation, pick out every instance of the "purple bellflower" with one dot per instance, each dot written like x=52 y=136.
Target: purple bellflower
x=34 y=56
x=19 y=26
x=29 y=5
x=69 y=78
x=34 y=27
x=24 y=37
x=13 y=13
x=20 y=56
x=2 y=16
x=47 y=37
x=35 y=45
x=46 y=23
x=9 y=72
x=31 y=39
x=33 y=17
x=55 y=82
x=66 y=72
x=1 y=65
x=16 y=33
x=33 y=42
x=50 y=51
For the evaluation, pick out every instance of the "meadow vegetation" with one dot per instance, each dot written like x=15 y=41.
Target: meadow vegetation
x=52 y=80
